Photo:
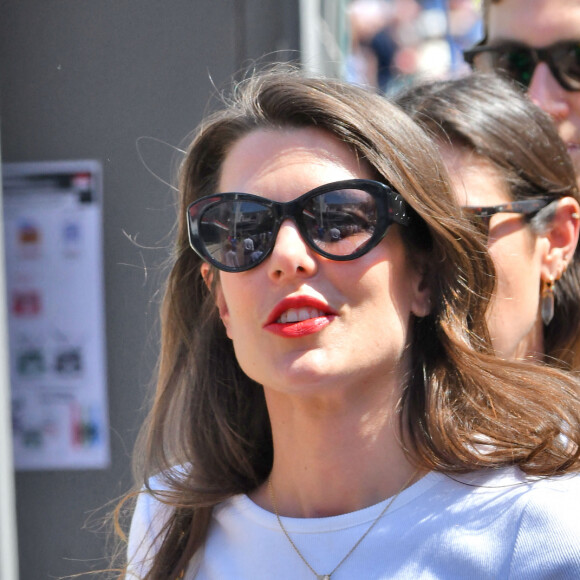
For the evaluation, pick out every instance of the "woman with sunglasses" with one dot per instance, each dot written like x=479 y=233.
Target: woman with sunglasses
x=512 y=172
x=330 y=408
x=537 y=44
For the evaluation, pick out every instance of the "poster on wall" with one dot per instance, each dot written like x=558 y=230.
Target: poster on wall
x=56 y=317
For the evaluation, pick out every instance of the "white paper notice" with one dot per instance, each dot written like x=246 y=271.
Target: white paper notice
x=55 y=290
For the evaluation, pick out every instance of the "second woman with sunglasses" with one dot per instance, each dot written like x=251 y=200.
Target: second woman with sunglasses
x=512 y=171
x=330 y=408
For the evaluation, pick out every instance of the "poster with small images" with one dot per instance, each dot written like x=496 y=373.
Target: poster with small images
x=56 y=317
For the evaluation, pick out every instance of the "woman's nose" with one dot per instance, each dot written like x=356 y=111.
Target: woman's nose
x=545 y=91
x=291 y=256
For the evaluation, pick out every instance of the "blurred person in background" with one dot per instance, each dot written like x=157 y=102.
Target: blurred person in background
x=511 y=170
x=373 y=47
x=381 y=34
x=464 y=29
x=394 y=42
x=537 y=44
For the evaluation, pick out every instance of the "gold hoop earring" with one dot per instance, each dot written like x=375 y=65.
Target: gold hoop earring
x=547 y=301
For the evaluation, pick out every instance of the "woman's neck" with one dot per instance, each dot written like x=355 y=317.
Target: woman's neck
x=531 y=347
x=333 y=456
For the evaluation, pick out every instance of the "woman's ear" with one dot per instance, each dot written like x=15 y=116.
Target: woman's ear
x=421 y=304
x=562 y=238
x=207 y=273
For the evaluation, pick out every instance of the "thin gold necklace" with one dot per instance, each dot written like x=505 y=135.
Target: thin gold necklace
x=328 y=576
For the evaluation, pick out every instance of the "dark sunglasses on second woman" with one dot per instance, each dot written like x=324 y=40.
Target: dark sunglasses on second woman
x=526 y=207
x=518 y=61
x=340 y=221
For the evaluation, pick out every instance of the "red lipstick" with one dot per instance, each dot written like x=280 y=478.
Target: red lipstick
x=297 y=328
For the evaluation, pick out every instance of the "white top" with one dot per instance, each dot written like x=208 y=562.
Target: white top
x=487 y=525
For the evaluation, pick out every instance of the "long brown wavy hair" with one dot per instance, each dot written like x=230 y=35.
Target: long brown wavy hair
x=487 y=116
x=208 y=435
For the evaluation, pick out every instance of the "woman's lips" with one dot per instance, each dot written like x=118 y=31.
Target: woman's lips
x=298 y=316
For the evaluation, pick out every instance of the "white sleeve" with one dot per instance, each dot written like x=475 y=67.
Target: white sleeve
x=148 y=520
x=548 y=541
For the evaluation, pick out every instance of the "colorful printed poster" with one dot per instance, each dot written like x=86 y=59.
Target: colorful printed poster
x=56 y=318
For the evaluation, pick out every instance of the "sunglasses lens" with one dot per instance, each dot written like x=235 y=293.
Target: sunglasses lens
x=340 y=223
x=519 y=62
x=237 y=233
x=516 y=63
x=566 y=59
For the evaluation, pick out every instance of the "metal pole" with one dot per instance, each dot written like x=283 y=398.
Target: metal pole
x=310 y=45
x=8 y=541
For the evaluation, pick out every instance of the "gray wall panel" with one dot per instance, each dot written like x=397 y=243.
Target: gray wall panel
x=86 y=79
